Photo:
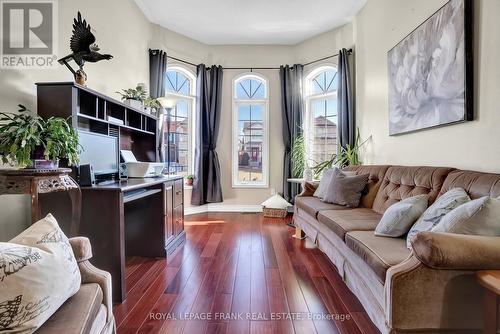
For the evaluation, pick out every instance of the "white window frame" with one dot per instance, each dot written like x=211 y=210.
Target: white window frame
x=309 y=99
x=191 y=112
x=265 y=131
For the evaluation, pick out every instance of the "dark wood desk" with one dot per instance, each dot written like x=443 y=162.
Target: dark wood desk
x=136 y=217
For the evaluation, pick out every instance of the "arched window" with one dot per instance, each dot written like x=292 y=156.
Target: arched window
x=250 y=131
x=320 y=123
x=179 y=85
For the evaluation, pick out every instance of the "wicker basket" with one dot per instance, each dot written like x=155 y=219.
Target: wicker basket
x=275 y=213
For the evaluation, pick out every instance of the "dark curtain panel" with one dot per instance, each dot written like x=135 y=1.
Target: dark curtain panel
x=291 y=109
x=157 y=68
x=206 y=185
x=345 y=107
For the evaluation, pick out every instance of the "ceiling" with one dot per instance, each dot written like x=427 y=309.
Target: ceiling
x=218 y=22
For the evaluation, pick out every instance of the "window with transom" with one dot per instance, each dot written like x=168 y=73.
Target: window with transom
x=321 y=117
x=250 y=136
x=179 y=85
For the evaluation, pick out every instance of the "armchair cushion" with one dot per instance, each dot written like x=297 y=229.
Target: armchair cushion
x=457 y=251
x=78 y=314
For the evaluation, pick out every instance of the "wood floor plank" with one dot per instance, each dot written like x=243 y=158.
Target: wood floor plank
x=245 y=274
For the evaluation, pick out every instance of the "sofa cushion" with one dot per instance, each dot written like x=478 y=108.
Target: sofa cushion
x=380 y=253
x=403 y=182
x=343 y=221
x=78 y=313
x=313 y=205
x=377 y=173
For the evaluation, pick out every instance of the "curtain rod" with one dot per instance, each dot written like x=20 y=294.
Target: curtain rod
x=258 y=68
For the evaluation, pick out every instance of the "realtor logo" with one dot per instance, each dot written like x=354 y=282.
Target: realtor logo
x=28 y=34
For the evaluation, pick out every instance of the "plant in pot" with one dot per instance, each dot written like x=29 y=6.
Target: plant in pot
x=152 y=105
x=134 y=97
x=347 y=156
x=300 y=166
x=27 y=140
x=189 y=180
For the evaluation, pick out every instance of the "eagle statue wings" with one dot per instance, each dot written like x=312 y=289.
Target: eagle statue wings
x=83 y=47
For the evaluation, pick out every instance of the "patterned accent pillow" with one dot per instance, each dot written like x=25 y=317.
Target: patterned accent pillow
x=433 y=215
x=38 y=273
x=399 y=217
x=477 y=217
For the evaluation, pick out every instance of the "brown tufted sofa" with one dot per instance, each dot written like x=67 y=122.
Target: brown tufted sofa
x=430 y=289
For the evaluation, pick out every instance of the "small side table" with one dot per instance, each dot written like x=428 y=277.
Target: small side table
x=42 y=181
x=490 y=280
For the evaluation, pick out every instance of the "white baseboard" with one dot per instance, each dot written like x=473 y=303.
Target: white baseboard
x=191 y=210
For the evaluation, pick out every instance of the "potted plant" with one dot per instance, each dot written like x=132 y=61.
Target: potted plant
x=300 y=167
x=347 y=156
x=27 y=140
x=134 y=97
x=152 y=105
x=189 y=180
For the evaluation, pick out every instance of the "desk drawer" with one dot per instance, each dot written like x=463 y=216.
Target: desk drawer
x=178 y=192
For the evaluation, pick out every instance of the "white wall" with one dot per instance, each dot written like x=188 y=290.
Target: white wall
x=377 y=28
x=125 y=35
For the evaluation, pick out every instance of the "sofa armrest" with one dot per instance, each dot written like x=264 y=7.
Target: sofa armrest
x=457 y=251
x=81 y=248
x=308 y=189
x=418 y=296
x=90 y=274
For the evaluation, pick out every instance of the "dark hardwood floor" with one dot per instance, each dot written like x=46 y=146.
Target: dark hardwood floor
x=239 y=273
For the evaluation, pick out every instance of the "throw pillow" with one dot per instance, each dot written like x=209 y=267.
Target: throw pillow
x=323 y=183
x=478 y=217
x=399 y=217
x=345 y=190
x=433 y=215
x=38 y=273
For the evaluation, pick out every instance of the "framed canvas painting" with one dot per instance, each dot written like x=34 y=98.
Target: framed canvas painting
x=430 y=72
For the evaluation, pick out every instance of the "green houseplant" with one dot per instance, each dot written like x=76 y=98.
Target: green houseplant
x=152 y=105
x=189 y=180
x=299 y=156
x=134 y=97
x=26 y=137
x=347 y=156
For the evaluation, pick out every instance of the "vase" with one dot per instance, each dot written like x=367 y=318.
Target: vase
x=39 y=161
x=134 y=103
x=307 y=174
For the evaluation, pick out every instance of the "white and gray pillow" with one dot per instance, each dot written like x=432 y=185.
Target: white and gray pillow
x=478 y=217
x=400 y=217
x=323 y=183
x=345 y=190
x=433 y=215
x=38 y=273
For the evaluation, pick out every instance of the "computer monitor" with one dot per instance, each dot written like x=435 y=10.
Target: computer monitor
x=100 y=151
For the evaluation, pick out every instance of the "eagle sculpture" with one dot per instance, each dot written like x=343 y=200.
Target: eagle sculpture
x=84 y=49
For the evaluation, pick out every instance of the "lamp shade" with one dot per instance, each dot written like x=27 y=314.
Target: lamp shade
x=167 y=102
